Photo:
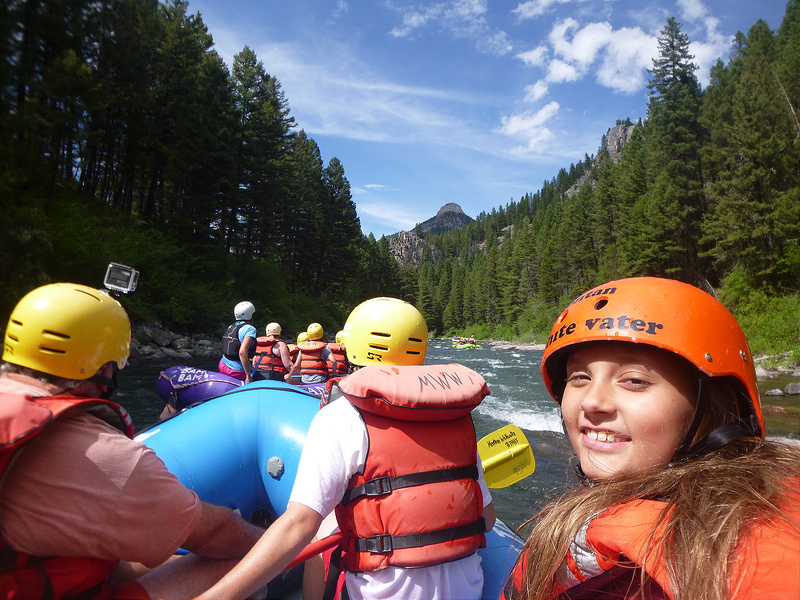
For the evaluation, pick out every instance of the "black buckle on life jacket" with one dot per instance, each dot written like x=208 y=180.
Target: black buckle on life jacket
x=377 y=544
x=378 y=486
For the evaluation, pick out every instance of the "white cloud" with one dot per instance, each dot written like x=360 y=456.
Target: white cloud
x=373 y=187
x=414 y=20
x=534 y=8
x=536 y=91
x=619 y=59
x=462 y=18
x=586 y=43
x=391 y=214
x=341 y=9
x=627 y=57
x=536 y=57
x=693 y=10
x=531 y=128
x=467 y=9
x=559 y=71
x=716 y=44
x=496 y=44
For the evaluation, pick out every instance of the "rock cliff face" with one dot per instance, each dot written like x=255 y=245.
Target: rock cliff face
x=615 y=140
x=407 y=247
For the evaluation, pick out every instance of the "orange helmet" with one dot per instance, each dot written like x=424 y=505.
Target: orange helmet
x=664 y=313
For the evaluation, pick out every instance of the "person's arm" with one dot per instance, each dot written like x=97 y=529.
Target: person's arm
x=221 y=533
x=489 y=516
x=244 y=357
x=295 y=370
x=279 y=545
x=283 y=352
x=330 y=361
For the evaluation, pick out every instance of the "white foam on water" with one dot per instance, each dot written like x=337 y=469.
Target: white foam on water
x=530 y=419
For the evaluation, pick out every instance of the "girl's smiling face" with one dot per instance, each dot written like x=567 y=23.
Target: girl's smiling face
x=626 y=407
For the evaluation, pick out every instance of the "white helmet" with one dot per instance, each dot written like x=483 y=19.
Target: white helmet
x=273 y=329
x=244 y=311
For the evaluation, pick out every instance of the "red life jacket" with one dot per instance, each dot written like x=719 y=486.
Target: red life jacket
x=608 y=553
x=421 y=506
x=339 y=354
x=23 y=576
x=311 y=357
x=265 y=358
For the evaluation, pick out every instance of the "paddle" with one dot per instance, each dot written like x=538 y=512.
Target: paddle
x=507 y=457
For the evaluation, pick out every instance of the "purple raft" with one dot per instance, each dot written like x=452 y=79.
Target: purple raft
x=182 y=387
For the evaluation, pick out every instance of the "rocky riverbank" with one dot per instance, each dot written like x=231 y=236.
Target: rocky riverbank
x=152 y=342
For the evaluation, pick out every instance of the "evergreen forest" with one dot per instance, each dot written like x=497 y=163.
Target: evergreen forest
x=125 y=137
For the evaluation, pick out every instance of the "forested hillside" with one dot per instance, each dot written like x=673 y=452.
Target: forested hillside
x=125 y=137
x=707 y=191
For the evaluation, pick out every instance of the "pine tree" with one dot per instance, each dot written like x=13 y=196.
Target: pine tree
x=674 y=157
x=755 y=215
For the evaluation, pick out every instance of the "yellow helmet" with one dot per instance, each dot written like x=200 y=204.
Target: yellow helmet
x=67 y=330
x=339 y=337
x=273 y=329
x=385 y=331
x=315 y=331
x=302 y=337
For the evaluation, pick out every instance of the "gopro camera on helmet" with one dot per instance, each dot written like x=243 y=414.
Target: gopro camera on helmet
x=120 y=278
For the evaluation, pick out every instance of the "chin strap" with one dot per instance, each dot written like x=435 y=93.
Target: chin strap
x=109 y=383
x=717 y=438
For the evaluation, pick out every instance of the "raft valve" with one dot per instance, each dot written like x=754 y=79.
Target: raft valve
x=275 y=467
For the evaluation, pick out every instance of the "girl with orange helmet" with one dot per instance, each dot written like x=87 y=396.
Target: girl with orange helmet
x=682 y=497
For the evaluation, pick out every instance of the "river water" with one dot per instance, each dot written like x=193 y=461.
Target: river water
x=518 y=396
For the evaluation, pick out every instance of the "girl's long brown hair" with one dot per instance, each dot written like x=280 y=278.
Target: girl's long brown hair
x=710 y=503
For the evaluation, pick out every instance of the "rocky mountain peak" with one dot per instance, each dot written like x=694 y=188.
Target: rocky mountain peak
x=449 y=207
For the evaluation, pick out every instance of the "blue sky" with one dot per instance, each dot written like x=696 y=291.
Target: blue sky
x=469 y=101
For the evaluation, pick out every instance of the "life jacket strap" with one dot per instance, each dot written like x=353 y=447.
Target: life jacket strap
x=380 y=486
x=385 y=543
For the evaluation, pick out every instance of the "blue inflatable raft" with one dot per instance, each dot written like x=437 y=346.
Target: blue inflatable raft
x=242 y=450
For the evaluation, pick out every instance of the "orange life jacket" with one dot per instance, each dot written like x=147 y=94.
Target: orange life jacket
x=598 y=563
x=420 y=506
x=265 y=358
x=23 y=576
x=311 y=357
x=339 y=354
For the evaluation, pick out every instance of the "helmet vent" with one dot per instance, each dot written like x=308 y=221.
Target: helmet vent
x=379 y=347
x=415 y=340
x=45 y=350
x=380 y=334
x=55 y=334
x=600 y=304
